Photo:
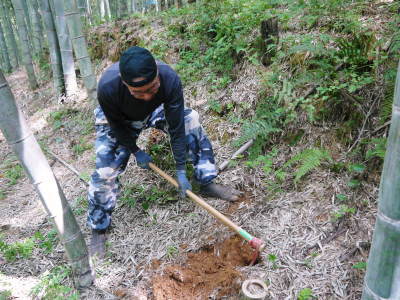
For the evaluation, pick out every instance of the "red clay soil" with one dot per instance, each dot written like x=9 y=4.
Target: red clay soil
x=209 y=271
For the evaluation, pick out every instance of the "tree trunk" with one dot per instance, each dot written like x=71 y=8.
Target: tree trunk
x=105 y=12
x=158 y=5
x=129 y=5
x=108 y=10
x=270 y=38
x=9 y=35
x=25 y=12
x=383 y=268
x=41 y=21
x=80 y=48
x=82 y=10
x=23 y=37
x=4 y=51
x=54 y=47
x=37 y=35
x=116 y=9
x=102 y=7
x=1 y=61
x=65 y=44
x=97 y=14
x=178 y=3
x=89 y=12
x=122 y=9
x=25 y=146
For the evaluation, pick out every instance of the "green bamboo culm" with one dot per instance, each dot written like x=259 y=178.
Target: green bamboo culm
x=382 y=280
x=158 y=5
x=105 y=12
x=65 y=46
x=9 y=33
x=89 y=12
x=25 y=46
x=123 y=9
x=83 y=10
x=4 y=51
x=54 y=47
x=31 y=157
x=80 y=48
x=25 y=11
x=37 y=35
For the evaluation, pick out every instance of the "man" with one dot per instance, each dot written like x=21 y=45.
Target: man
x=135 y=94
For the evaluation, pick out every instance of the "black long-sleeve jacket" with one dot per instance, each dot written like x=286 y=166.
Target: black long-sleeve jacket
x=120 y=106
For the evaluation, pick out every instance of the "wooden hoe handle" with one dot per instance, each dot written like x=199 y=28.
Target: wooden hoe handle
x=254 y=242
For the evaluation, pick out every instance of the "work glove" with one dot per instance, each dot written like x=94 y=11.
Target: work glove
x=142 y=159
x=183 y=183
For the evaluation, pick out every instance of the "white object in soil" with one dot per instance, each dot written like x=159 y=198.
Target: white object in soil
x=254 y=289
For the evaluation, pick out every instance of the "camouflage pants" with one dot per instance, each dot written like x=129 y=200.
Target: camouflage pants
x=112 y=158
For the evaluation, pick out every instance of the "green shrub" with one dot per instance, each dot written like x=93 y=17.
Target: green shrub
x=46 y=242
x=58 y=118
x=17 y=250
x=305 y=294
x=307 y=160
x=147 y=196
x=13 y=174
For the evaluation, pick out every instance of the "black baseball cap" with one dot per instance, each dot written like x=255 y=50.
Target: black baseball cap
x=137 y=62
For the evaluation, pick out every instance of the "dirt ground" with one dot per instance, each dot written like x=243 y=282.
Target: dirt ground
x=211 y=270
x=178 y=251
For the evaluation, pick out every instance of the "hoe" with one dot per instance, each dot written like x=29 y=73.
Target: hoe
x=257 y=244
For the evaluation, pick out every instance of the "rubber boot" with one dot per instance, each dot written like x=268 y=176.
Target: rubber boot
x=98 y=243
x=219 y=191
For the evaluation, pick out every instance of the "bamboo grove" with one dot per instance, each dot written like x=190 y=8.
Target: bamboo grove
x=33 y=31
x=52 y=32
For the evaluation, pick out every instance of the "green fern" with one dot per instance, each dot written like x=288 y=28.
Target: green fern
x=357 y=48
x=267 y=120
x=377 y=148
x=257 y=129
x=385 y=110
x=308 y=159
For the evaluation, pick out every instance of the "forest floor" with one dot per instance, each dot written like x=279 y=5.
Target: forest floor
x=164 y=248
x=175 y=250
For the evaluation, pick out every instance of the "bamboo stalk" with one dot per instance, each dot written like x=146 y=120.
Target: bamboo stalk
x=4 y=51
x=383 y=268
x=89 y=12
x=107 y=10
x=31 y=157
x=24 y=4
x=9 y=32
x=158 y=6
x=102 y=10
x=65 y=48
x=37 y=34
x=80 y=48
x=83 y=11
x=54 y=47
x=25 y=45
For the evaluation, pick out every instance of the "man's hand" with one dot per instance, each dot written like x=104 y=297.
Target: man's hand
x=183 y=182
x=142 y=159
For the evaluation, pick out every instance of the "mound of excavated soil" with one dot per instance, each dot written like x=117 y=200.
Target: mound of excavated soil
x=211 y=271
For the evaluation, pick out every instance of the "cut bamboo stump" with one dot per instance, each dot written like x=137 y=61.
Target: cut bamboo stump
x=270 y=36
